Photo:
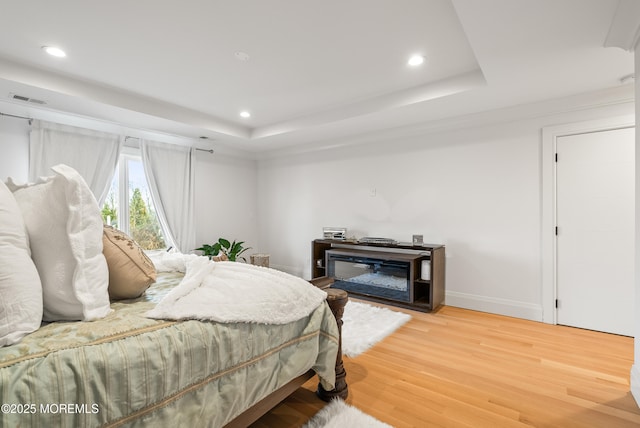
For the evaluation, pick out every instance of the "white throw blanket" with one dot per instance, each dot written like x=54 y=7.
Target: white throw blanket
x=238 y=292
x=171 y=261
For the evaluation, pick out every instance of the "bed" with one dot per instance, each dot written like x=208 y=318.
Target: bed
x=119 y=365
x=130 y=370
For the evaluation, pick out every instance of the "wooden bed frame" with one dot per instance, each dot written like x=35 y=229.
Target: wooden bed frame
x=337 y=299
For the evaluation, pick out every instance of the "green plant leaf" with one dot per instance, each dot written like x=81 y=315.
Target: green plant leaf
x=231 y=249
x=205 y=248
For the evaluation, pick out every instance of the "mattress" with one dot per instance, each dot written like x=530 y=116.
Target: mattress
x=129 y=370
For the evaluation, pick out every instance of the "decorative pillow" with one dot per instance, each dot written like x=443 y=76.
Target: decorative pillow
x=65 y=233
x=20 y=288
x=131 y=271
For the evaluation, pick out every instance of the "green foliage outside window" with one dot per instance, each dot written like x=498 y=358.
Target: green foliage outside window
x=110 y=211
x=144 y=227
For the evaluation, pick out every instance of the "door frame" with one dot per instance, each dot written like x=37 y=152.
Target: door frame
x=548 y=224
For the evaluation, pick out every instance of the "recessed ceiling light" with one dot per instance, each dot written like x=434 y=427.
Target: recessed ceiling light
x=245 y=114
x=54 y=51
x=415 y=60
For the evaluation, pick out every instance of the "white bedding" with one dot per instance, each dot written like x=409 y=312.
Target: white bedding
x=166 y=261
x=237 y=292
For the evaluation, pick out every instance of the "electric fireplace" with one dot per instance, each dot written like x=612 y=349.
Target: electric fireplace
x=368 y=273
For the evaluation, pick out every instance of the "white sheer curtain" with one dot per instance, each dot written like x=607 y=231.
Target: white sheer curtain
x=170 y=172
x=94 y=154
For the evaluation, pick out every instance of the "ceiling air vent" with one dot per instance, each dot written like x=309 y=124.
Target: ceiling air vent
x=26 y=99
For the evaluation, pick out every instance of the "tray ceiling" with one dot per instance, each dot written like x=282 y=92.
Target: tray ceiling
x=306 y=71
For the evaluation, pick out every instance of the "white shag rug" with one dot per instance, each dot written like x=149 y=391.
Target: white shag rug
x=337 y=414
x=365 y=325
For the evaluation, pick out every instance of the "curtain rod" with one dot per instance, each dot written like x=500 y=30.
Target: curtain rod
x=126 y=138
x=202 y=150
x=17 y=117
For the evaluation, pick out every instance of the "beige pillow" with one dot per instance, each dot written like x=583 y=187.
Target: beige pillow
x=131 y=271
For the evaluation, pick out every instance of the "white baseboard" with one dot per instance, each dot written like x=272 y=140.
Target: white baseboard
x=510 y=308
x=635 y=383
x=494 y=305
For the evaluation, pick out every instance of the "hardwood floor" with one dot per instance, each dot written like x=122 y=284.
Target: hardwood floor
x=461 y=368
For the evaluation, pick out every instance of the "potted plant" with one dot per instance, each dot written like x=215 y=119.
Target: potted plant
x=230 y=249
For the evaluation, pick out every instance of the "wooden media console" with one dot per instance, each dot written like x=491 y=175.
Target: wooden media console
x=397 y=274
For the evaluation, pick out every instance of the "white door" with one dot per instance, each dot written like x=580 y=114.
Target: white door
x=595 y=237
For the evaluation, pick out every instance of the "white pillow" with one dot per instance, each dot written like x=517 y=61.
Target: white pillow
x=20 y=288
x=65 y=233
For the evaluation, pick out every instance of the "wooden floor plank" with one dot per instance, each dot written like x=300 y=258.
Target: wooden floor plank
x=461 y=368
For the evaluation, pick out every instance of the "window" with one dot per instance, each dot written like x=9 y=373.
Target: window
x=129 y=207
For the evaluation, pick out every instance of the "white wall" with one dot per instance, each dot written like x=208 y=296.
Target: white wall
x=635 y=369
x=226 y=201
x=476 y=190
